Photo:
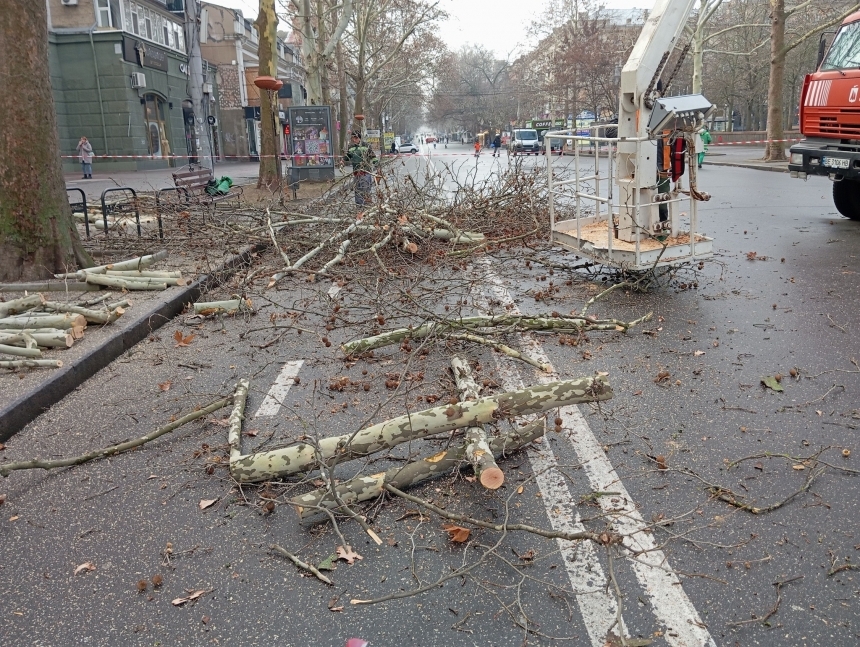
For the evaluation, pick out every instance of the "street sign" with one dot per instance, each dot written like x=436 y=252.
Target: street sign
x=374 y=133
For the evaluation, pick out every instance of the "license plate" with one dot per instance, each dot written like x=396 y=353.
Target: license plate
x=836 y=162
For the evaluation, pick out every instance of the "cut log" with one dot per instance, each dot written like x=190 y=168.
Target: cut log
x=534 y=400
x=237 y=415
x=363 y=488
x=17 y=351
x=478 y=451
x=480 y=457
x=125 y=284
x=231 y=306
x=92 y=316
x=31 y=363
x=62 y=321
x=131 y=264
x=44 y=337
x=17 y=306
x=152 y=274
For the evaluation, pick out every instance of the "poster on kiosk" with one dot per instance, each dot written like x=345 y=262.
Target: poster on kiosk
x=311 y=147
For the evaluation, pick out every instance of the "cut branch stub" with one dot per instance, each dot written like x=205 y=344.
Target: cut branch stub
x=530 y=401
x=363 y=488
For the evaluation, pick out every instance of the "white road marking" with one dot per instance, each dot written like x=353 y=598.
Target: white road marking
x=669 y=602
x=275 y=397
x=598 y=608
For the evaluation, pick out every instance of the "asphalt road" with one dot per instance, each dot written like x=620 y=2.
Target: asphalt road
x=790 y=308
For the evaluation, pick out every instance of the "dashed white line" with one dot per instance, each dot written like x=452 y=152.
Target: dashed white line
x=275 y=397
x=669 y=602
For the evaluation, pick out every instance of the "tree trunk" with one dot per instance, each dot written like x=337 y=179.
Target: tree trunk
x=267 y=29
x=343 y=98
x=698 y=55
x=775 y=151
x=37 y=233
x=310 y=51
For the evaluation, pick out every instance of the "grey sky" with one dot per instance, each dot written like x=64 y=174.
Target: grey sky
x=499 y=25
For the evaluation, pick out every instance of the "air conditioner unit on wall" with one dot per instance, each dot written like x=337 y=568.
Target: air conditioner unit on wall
x=138 y=80
x=69 y=3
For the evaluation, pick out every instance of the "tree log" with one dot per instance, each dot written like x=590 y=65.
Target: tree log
x=67 y=320
x=17 y=306
x=31 y=363
x=509 y=323
x=237 y=415
x=478 y=451
x=125 y=284
x=152 y=274
x=131 y=264
x=229 y=307
x=33 y=353
x=44 y=337
x=92 y=316
x=363 y=488
x=530 y=401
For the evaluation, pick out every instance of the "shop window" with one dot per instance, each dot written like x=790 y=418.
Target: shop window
x=155 y=120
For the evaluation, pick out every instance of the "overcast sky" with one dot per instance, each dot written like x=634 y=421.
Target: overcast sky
x=499 y=25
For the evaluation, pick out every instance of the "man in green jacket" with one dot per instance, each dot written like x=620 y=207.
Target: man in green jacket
x=364 y=165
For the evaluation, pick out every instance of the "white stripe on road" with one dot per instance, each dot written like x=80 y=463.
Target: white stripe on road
x=669 y=602
x=598 y=608
x=275 y=397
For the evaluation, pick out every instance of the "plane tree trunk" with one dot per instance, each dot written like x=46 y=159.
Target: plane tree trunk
x=37 y=233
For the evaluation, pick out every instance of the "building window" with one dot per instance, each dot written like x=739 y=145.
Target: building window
x=166 y=31
x=147 y=21
x=155 y=121
x=135 y=19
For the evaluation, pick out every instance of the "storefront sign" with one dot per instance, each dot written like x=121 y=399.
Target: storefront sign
x=310 y=141
x=144 y=54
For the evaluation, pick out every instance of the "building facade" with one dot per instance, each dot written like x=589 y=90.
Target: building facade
x=230 y=42
x=119 y=73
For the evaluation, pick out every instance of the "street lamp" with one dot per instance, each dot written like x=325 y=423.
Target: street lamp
x=271 y=85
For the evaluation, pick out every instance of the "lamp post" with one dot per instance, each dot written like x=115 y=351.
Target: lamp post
x=271 y=85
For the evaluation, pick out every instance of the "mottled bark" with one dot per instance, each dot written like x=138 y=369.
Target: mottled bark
x=335 y=449
x=267 y=53
x=482 y=323
x=37 y=233
x=775 y=150
x=363 y=488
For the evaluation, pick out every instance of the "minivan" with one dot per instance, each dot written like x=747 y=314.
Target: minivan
x=525 y=140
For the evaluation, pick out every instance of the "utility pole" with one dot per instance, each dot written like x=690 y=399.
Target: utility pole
x=195 y=83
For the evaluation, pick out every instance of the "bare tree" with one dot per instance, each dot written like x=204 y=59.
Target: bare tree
x=267 y=54
x=37 y=234
x=779 y=48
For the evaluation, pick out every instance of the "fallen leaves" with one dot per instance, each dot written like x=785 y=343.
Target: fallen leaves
x=347 y=554
x=83 y=568
x=457 y=534
x=182 y=341
x=165 y=386
x=771 y=382
x=662 y=376
x=206 y=503
x=193 y=595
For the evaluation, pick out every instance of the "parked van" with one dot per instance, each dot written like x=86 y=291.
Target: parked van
x=524 y=140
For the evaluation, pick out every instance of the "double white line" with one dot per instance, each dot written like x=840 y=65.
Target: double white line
x=677 y=616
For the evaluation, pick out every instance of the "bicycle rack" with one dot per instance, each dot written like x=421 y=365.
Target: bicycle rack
x=81 y=204
x=116 y=206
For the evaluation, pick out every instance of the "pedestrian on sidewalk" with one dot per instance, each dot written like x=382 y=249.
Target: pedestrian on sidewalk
x=364 y=163
x=85 y=153
x=497 y=145
x=703 y=138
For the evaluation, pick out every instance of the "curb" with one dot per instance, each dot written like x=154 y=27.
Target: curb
x=755 y=167
x=26 y=408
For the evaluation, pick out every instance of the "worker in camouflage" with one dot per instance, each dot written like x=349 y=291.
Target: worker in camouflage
x=364 y=169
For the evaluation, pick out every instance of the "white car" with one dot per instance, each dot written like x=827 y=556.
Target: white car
x=407 y=148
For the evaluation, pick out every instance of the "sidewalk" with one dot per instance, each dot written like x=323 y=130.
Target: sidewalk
x=744 y=157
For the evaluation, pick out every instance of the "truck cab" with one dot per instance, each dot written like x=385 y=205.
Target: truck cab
x=830 y=120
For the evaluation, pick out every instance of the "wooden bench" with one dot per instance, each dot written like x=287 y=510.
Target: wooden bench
x=191 y=182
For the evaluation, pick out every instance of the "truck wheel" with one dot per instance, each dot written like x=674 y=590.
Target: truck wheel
x=846 y=197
